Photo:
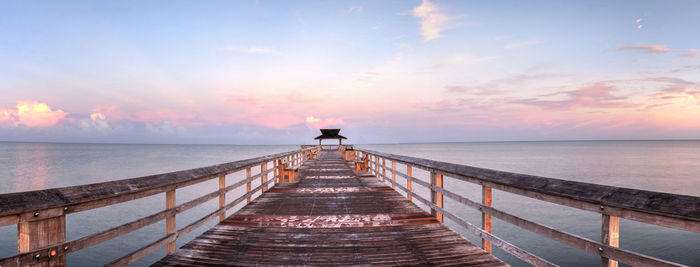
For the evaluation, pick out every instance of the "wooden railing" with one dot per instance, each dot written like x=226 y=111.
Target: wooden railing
x=669 y=210
x=40 y=215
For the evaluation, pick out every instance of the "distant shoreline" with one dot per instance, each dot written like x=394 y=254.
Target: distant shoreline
x=398 y=143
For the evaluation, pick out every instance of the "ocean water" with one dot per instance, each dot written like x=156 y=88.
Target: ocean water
x=667 y=166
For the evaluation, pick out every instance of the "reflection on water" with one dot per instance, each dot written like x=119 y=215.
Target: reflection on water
x=668 y=166
x=31 y=162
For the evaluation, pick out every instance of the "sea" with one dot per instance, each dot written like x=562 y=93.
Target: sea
x=665 y=166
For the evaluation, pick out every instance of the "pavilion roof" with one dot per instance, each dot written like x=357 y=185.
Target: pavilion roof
x=330 y=134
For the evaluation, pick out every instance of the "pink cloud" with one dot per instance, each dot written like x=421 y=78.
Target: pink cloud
x=318 y=123
x=32 y=114
x=597 y=95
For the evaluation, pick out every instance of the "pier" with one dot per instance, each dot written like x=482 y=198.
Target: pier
x=338 y=205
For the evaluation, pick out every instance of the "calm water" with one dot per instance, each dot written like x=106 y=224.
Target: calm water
x=668 y=166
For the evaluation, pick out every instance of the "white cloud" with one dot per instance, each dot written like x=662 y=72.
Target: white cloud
x=357 y=9
x=432 y=20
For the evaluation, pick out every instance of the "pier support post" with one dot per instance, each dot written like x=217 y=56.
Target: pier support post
x=409 y=183
x=32 y=235
x=170 y=221
x=393 y=174
x=222 y=196
x=436 y=181
x=610 y=235
x=263 y=178
x=247 y=185
x=486 y=200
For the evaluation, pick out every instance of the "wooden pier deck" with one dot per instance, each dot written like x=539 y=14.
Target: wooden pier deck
x=332 y=216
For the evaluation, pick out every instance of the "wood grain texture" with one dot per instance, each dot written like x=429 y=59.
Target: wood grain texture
x=222 y=196
x=170 y=220
x=325 y=228
x=486 y=200
x=40 y=234
x=610 y=235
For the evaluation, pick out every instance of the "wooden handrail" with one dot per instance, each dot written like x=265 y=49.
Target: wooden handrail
x=49 y=207
x=607 y=249
x=676 y=211
x=14 y=204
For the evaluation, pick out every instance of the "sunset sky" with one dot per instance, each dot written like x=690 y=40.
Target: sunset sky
x=273 y=72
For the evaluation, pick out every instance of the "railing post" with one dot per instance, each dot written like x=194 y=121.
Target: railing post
x=393 y=174
x=486 y=200
x=263 y=178
x=383 y=169
x=409 y=183
x=32 y=235
x=170 y=220
x=247 y=185
x=610 y=236
x=436 y=181
x=366 y=163
x=222 y=196
x=275 y=173
x=376 y=166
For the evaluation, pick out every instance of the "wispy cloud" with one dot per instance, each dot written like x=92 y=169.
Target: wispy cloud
x=522 y=44
x=597 y=95
x=432 y=20
x=258 y=50
x=687 y=68
x=355 y=9
x=642 y=48
x=462 y=59
x=495 y=87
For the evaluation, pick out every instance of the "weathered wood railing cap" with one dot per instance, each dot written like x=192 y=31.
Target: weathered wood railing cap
x=665 y=204
x=31 y=201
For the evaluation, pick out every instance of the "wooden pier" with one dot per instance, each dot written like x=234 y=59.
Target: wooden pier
x=332 y=216
x=336 y=205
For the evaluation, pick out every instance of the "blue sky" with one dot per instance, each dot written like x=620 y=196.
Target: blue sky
x=251 y=72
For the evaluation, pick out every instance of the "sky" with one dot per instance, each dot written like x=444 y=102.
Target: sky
x=274 y=72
